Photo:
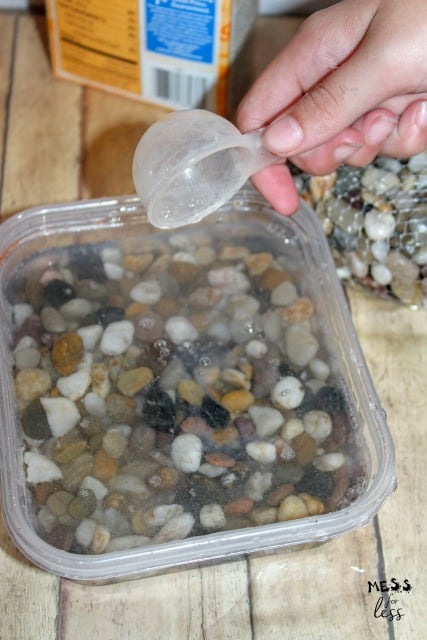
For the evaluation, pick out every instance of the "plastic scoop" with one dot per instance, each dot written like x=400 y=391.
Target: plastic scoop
x=190 y=163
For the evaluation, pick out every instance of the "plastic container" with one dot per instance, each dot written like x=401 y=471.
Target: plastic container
x=328 y=461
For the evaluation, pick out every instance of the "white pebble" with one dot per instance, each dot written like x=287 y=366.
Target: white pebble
x=90 y=336
x=418 y=162
x=380 y=249
x=301 y=346
x=378 y=225
x=46 y=519
x=329 y=461
x=256 y=349
x=219 y=331
x=284 y=294
x=148 y=292
x=319 y=368
x=75 y=385
x=123 y=543
x=76 y=309
x=95 y=485
x=257 y=484
x=177 y=528
x=267 y=420
x=293 y=428
x=85 y=531
x=179 y=330
x=62 y=415
x=358 y=267
x=113 y=271
x=381 y=274
x=211 y=470
x=317 y=424
x=184 y=256
x=21 y=312
x=40 y=468
x=272 y=325
x=186 y=452
x=111 y=254
x=288 y=393
x=95 y=405
x=100 y=540
x=262 y=452
x=127 y=483
x=212 y=517
x=420 y=256
x=160 y=514
x=314 y=385
x=242 y=307
x=117 y=337
x=229 y=279
x=28 y=358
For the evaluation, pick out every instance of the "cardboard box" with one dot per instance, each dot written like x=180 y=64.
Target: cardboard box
x=175 y=53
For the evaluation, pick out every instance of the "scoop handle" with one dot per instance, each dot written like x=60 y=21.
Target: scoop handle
x=260 y=157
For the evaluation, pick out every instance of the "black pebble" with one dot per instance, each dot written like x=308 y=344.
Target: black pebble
x=87 y=264
x=316 y=483
x=58 y=292
x=330 y=399
x=213 y=413
x=107 y=314
x=158 y=410
x=34 y=421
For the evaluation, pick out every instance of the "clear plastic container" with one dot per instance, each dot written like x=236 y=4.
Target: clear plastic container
x=248 y=292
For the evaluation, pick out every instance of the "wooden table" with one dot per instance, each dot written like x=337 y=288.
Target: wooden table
x=60 y=142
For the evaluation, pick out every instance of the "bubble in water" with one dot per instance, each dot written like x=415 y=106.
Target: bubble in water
x=205 y=361
x=147 y=323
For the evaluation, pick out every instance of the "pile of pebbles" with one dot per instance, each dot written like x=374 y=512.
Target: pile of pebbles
x=375 y=219
x=174 y=390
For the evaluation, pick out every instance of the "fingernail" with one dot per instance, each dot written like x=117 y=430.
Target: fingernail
x=283 y=136
x=379 y=130
x=421 y=115
x=345 y=151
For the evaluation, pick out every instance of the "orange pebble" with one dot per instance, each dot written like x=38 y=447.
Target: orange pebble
x=105 y=466
x=220 y=460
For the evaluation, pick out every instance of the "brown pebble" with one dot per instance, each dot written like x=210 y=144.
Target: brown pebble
x=105 y=466
x=205 y=297
x=238 y=400
x=196 y=425
x=273 y=277
x=74 y=472
x=163 y=478
x=258 y=263
x=61 y=537
x=137 y=262
x=220 y=460
x=190 y=391
x=239 y=507
x=67 y=353
x=121 y=409
x=43 y=490
x=275 y=497
x=132 y=381
x=166 y=307
x=341 y=477
x=63 y=451
x=227 y=437
x=305 y=448
x=299 y=311
x=135 y=309
x=183 y=272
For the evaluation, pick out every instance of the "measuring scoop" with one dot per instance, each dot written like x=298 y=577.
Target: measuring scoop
x=190 y=163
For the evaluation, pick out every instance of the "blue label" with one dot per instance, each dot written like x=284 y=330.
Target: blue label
x=181 y=28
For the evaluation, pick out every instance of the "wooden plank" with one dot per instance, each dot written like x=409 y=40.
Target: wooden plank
x=7 y=39
x=317 y=593
x=112 y=128
x=210 y=604
x=394 y=340
x=43 y=150
x=28 y=603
